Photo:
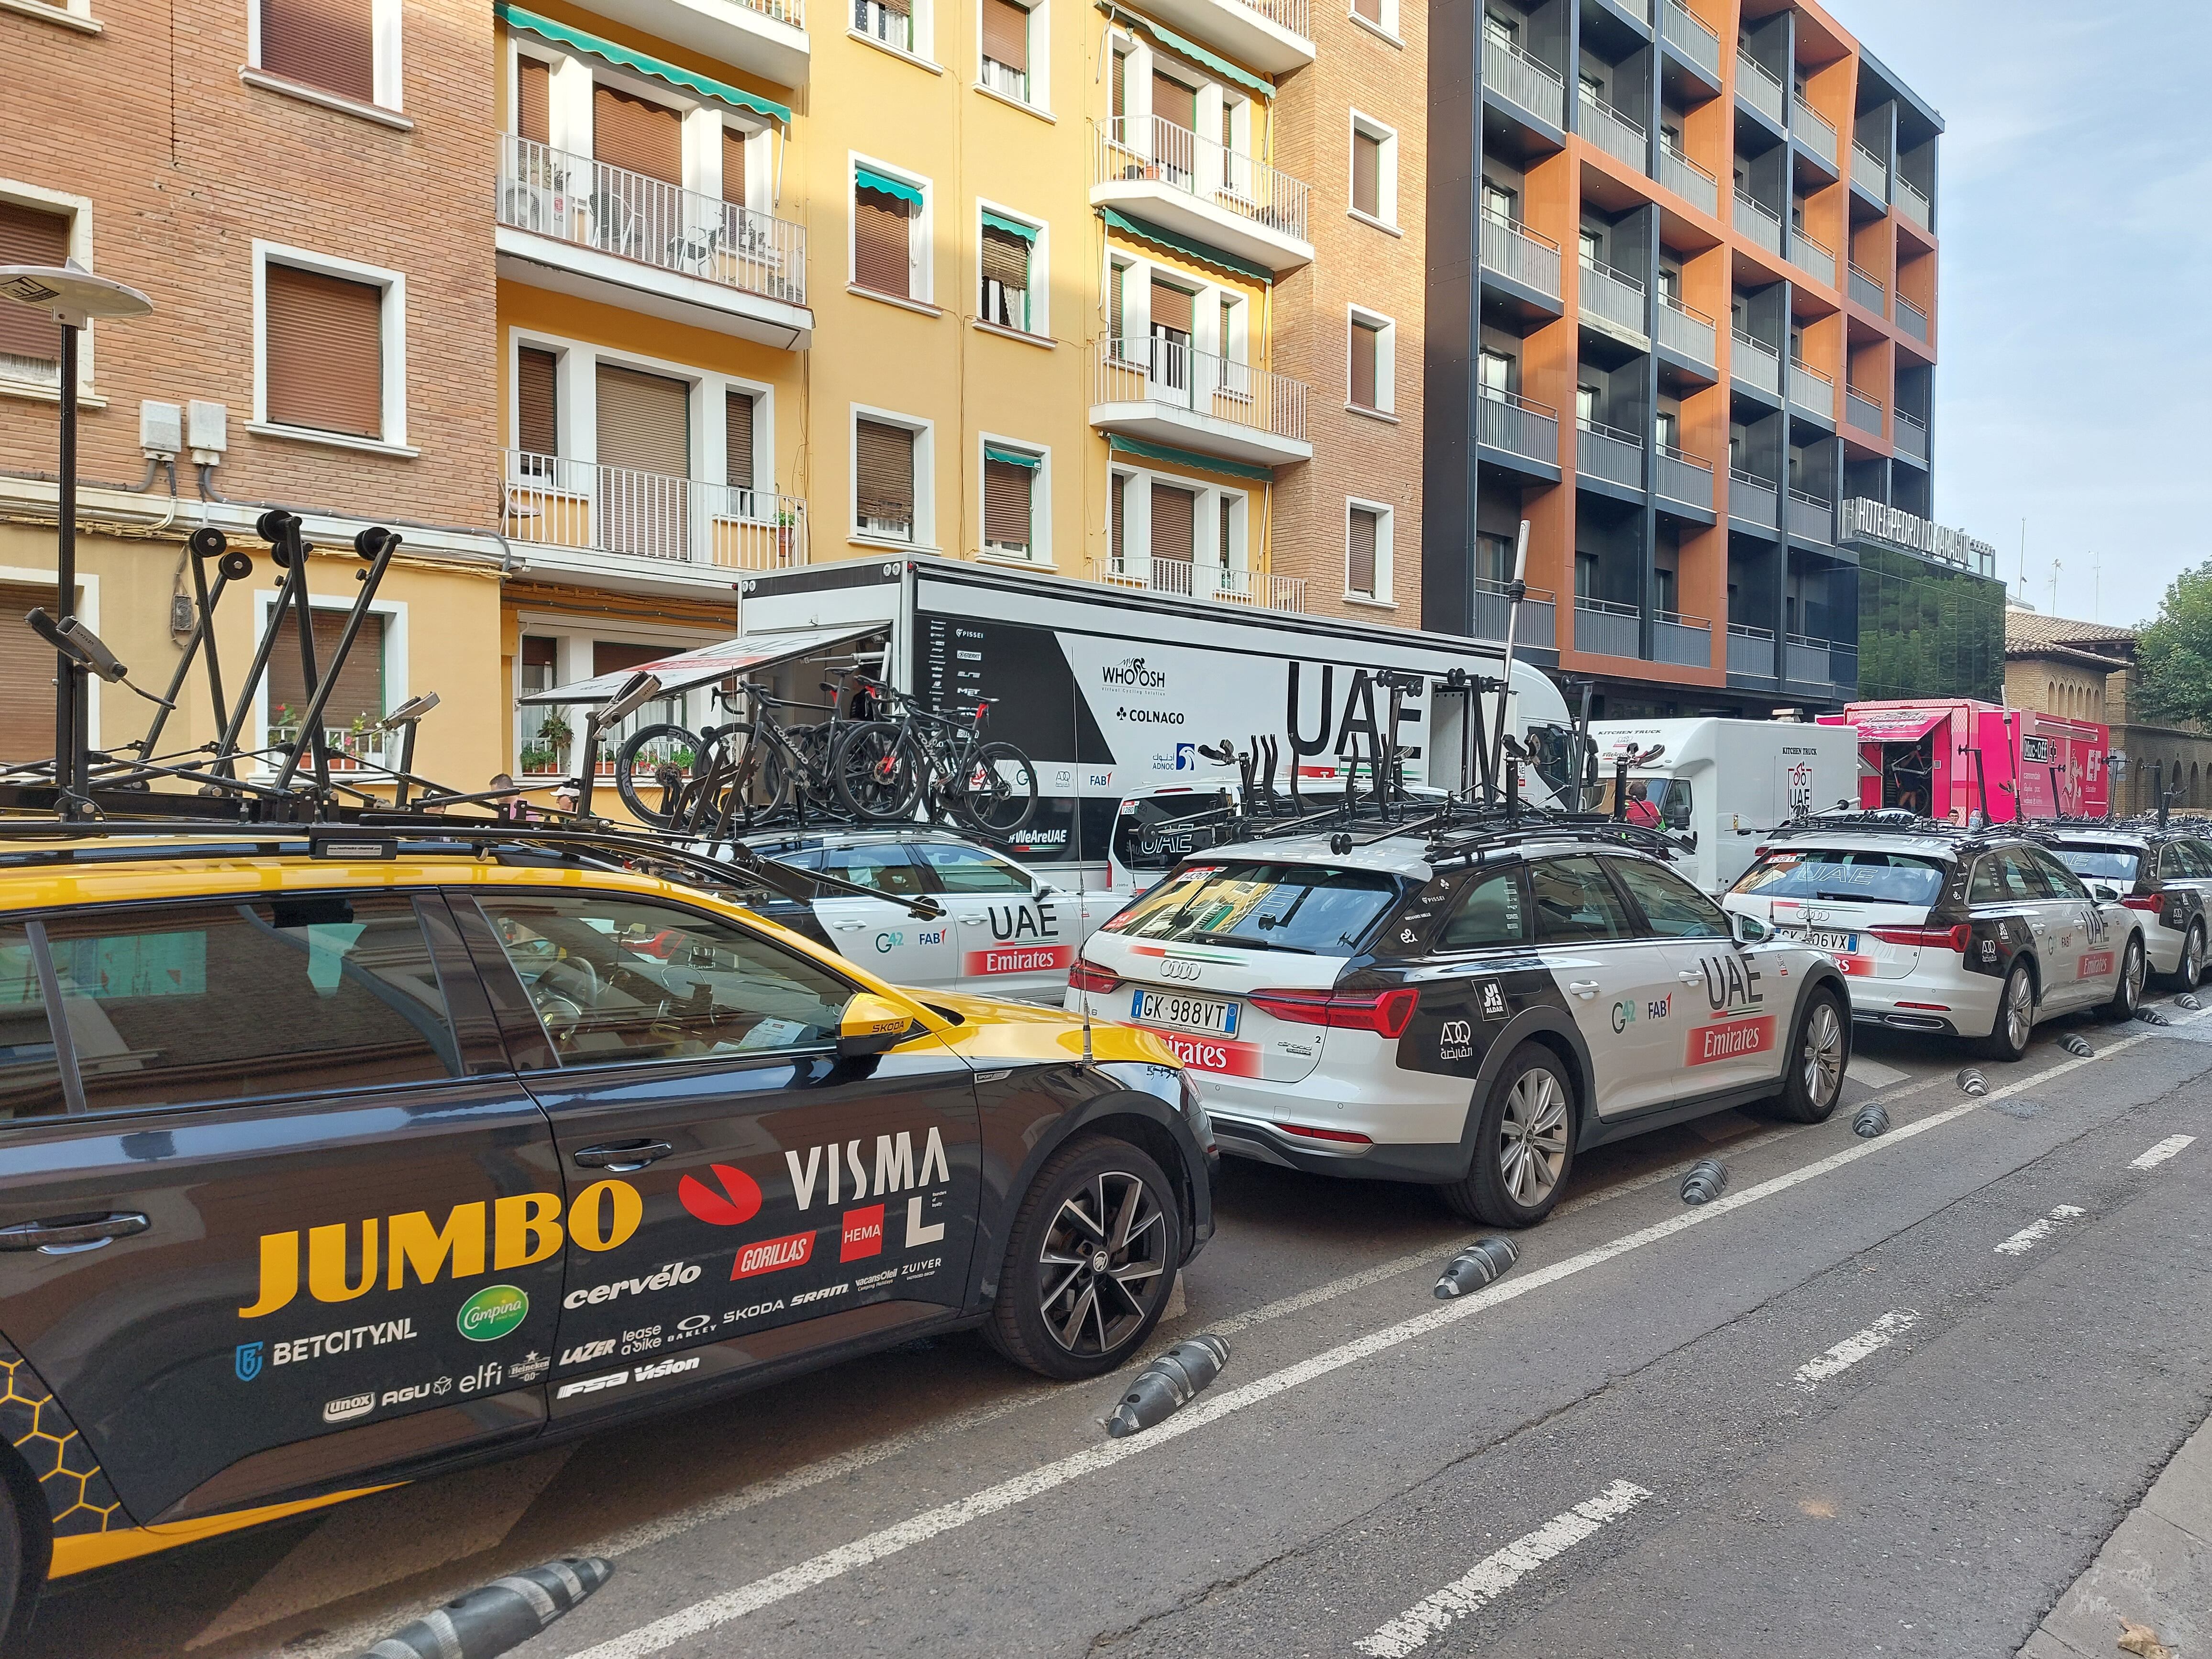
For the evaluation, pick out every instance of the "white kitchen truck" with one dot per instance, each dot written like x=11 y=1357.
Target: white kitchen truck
x=1726 y=781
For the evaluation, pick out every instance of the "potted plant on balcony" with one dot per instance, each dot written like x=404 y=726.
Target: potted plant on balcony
x=786 y=531
x=553 y=736
x=283 y=726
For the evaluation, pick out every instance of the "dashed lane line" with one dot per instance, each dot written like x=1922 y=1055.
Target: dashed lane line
x=1853 y=1349
x=2158 y=1154
x=2036 y=1231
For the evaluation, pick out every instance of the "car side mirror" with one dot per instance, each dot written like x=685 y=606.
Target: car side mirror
x=870 y=1025
x=2103 y=893
x=1748 y=930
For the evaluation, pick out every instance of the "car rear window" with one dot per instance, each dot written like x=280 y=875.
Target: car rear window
x=1853 y=876
x=2118 y=864
x=1262 y=906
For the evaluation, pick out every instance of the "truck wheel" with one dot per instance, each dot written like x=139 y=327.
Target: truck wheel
x=1524 y=1144
x=2007 y=1037
x=2129 y=991
x=1095 y=1249
x=1812 y=1082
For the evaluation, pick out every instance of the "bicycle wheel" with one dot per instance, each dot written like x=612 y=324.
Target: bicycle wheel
x=875 y=773
x=665 y=783
x=997 y=792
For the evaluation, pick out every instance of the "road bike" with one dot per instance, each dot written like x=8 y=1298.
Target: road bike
x=883 y=769
x=723 y=780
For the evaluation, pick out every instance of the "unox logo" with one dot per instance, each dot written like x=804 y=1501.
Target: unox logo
x=1131 y=674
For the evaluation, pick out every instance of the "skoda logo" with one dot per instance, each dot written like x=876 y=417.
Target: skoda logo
x=1178 y=969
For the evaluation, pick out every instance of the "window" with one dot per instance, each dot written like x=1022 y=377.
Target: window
x=1009 y=258
x=1493 y=559
x=970 y=870
x=1258 y=906
x=30 y=340
x=331 y=345
x=1673 y=907
x=889 y=235
x=1173 y=317
x=326 y=43
x=537 y=671
x=1373 y=171
x=1593 y=245
x=357 y=702
x=1373 y=377
x=736 y=189
x=1367 y=552
x=2063 y=882
x=1118 y=512
x=1499 y=203
x=537 y=408
x=891 y=21
x=1175 y=522
x=1664 y=593
x=1006 y=48
x=533 y=99
x=879 y=869
x=1491 y=913
x=1586 y=405
x=30 y=1067
x=1573 y=902
x=1495 y=372
x=1010 y=499
x=645 y=451
x=1666 y=428
x=1585 y=576
x=886 y=469
x=1501 y=27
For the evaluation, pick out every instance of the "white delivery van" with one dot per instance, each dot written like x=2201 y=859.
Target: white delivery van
x=1727 y=781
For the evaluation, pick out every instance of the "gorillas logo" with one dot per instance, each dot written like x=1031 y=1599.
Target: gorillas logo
x=1132 y=672
x=739 y=1201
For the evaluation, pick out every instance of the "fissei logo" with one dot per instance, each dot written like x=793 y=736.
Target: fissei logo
x=894 y=1169
x=1178 y=968
x=584 y=1352
x=345 y=1410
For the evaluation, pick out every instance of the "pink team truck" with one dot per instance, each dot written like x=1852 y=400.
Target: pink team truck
x=1950 y=757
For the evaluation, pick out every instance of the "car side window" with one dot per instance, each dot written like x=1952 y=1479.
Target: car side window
x=1992 y=883
x=2196 y=858
x=30 y=1065
x=886 y=869
x=1674 y=908
x=1573 y=902
x=1491 y=913
x=617 y=979
x=202 y=1004
x=970 y=870
x=2025 y=875
x=2064 y=883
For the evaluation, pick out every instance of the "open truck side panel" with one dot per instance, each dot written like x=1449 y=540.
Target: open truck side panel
x=1950 y=757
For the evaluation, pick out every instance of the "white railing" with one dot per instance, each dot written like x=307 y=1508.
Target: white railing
x=347 y=749
x=1760 y=86
x=1915 y=321
x=1863 y=412
x=1507 y=421
x=1621 y=136
x=1682 y=478
x=1686 y=330
x=1685 y=642
x=610 y=210
x=1607 y=629
x=1690 y=36
x=1813 y=129
x=1687 y=180
x=1262 y=590
x=1911 y=436
x=550 y=501
x=1755 y=362
x=1811 y=518
x=1513 y=249
x=1166 y=373
x=1520 y=79
x=1911 y=204
x=1613 y=295
x=793 y=12
x=1758 y=222
x=1815 y=259
x=1290 y=14
x=1867 y=289
x=1750 y=650
x=1149 y=150
x=1753 y=498
x=1493 y=613
x=1608 y=452
x=1868 y=168
x=1810 y=389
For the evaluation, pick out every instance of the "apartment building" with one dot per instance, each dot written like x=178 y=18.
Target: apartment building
x=1681 y=302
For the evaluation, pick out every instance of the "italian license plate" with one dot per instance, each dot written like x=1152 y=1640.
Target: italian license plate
x=1825 y=939
x=1184 y=1012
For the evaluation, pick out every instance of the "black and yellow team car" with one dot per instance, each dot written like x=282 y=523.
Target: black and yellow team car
x=326 y=1164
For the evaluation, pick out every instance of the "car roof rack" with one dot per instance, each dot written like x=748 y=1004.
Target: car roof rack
x=1457 y=845
x=1889 y=821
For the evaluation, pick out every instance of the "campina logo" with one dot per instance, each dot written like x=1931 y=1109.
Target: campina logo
x=492 y=1312
x=1132 y=672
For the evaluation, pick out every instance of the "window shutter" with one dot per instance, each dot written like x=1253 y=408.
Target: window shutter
x=1364 y=342
x=1173 y=101
x=737 y=423
x=883 y=463
x=1121 y=92
x=733 y=165
x=533 y=100
x=1172 y=308
x=1006 y=505
x=629 y=132
x=1117 y=313
x=326 y=351
x=1006 y=34
x=1367 y=174
x=27 y=675
x=1175 y=522
x=1221 y=522
x=1118 y=506
x=1005 y=261
x=536 y=397
x=1368 y=11
x=331 y=43
x=28 y=237
x=881 y=235
x=360 y=689
x=1360 y=555
x=645 y=421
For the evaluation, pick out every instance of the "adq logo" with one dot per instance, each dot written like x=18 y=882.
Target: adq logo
x=1455 y=1040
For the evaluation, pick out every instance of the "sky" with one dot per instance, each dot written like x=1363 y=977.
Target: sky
x=2074 y=320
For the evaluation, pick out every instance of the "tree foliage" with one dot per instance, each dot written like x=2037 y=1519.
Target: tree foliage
x=2174 y=653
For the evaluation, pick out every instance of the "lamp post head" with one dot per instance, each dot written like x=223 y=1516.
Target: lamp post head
x=70 y=293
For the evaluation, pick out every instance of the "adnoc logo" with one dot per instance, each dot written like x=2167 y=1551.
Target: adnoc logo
x=492 y=1312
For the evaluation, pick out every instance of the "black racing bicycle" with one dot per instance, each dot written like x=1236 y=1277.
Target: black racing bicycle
x=723 y=780
x=883 y=769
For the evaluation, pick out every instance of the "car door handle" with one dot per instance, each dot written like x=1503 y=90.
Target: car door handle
x=634 y=1155
x=1688 y=978
x=848 y=926
x=1584 y=988
x=972 y=921
x=67 y=1237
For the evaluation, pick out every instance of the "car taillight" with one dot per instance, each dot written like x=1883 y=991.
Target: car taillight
x=1095 y=981
x=1386 y=1013
x=1307 y=1131
x=2150 y=902
x=1953 y=937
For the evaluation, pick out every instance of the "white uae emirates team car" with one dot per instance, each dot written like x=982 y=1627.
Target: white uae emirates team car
x=2164 y=875
x=1467 y=1011
x=1975 y=933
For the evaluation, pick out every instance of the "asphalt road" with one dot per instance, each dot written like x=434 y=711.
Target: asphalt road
x=1827 y=1414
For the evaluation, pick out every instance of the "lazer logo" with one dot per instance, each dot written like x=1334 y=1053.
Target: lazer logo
x=585 y=1353
x=894 y=1169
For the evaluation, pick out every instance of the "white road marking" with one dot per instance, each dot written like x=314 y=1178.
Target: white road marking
x=2158 y=1154
x=1853 y=1349
x=1494 y=1575
x=2036 y=1231
x=1874 y=1073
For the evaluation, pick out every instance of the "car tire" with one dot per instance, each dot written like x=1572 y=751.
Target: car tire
x=1048 y=1288
x=2190 y=968
x=2127 y=993
x=1818 y=1054
x=2015 y=1016
x=11 y=1568
x=1524 y=1144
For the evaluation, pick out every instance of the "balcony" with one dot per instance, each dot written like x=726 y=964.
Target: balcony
x=1259 y=590
x=1814 y=258
x=1493 y=612
x=1814 y=130
x=1685 y=642
x=1809 y=662
x=1688 y=180
x=1173 y=178
x=1619 y=135
x=1682 y=478
x=1608 y=452
x=1756 y=363
x=1754 y=500
x=1751 y=650
x=1527 y=83
x=1760 y=222
x=1760 y=86
x=767 y=38
x=1520 y=255
x=1912 y=204
x=1812 y=391
x=1811 y=518
x=647 y=519
x=1686 y=331
x=1912 y=319
x=1607 y=629
x=1909 y=436
x=1615 y=301
x=1869 y=171
x=595 y=232
x=1506 y=421
x=1867 y=288
x=1272 y=36
x=1163 y=392
x=1690 y=37
x=1862 y=411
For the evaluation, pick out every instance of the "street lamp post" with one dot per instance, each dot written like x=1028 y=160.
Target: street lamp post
x=73 y=297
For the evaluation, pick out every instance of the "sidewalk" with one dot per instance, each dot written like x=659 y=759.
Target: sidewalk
x=2154 y=1570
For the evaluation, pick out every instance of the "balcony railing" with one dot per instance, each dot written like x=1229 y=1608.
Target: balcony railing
x=1760 y=86
x=347 y=751
x=1518 y=78
x=1868 y=169
x=1750 y=650
x=1262 y=590
x=610 y=210
x=1912 y=319
x=1167 y=373
x=1493 y=609
x=1685 y=642
x=1867 y=288
x=1689 y=36
x=550 y=501
x=1811 y=389
x=1613 y=295
x=1688 y=180
x=1758 y=222
x=1755 y=364
x=1605 y=452
x=1811 y=518
x=1909 y=436
x=1506 y=421
x=1753 y=498
x=1621 y=136
x=1607 y=629
x=1912 y=204
x=1815 y=259
x=1686 y=330
x=1150 y=150
x=1862 y=411
x=1514 y=251
x=1681 y=477
x=1812 y=661
x=1813 y=129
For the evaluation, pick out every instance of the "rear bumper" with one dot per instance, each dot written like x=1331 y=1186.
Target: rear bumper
x=1263 y=1142
x=1953 y=1004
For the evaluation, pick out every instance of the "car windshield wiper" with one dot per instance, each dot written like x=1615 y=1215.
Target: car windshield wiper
x=1859 y=898
x=1242 y=944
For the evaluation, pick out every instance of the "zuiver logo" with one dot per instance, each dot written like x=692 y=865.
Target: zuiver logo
x=1131 y=674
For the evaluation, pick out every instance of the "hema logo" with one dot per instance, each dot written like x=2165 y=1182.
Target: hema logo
x=1132 y=672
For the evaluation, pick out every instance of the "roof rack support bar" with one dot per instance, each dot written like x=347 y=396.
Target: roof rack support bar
x=227 y=748
x=316 y=685
x=205 y=541
x=377 y=544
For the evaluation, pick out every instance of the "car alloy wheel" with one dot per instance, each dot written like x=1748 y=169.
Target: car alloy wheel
x=2128 y=992
x=1531 y=1138
x=2019 y=1014
x=1821 y=1056
x=1104 y=1258
x=2190 y=968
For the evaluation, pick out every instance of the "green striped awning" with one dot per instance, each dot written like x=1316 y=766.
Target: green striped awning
x=1011 y=227
x=1190 y=49
x=1119 y=445
x=1011 y=457
x=607 y=51
x=869 y=178
x=1197 y=250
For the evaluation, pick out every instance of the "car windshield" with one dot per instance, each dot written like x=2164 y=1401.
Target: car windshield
x=1846 y=875
x=2102 y=863
x=1261 y=906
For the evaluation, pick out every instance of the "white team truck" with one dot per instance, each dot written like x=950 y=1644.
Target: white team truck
x=1725 y=781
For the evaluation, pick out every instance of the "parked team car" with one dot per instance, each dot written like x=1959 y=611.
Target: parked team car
x=2164 y=875
x=1973 y=933
x=1469 y=1013
x=323 y=1172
